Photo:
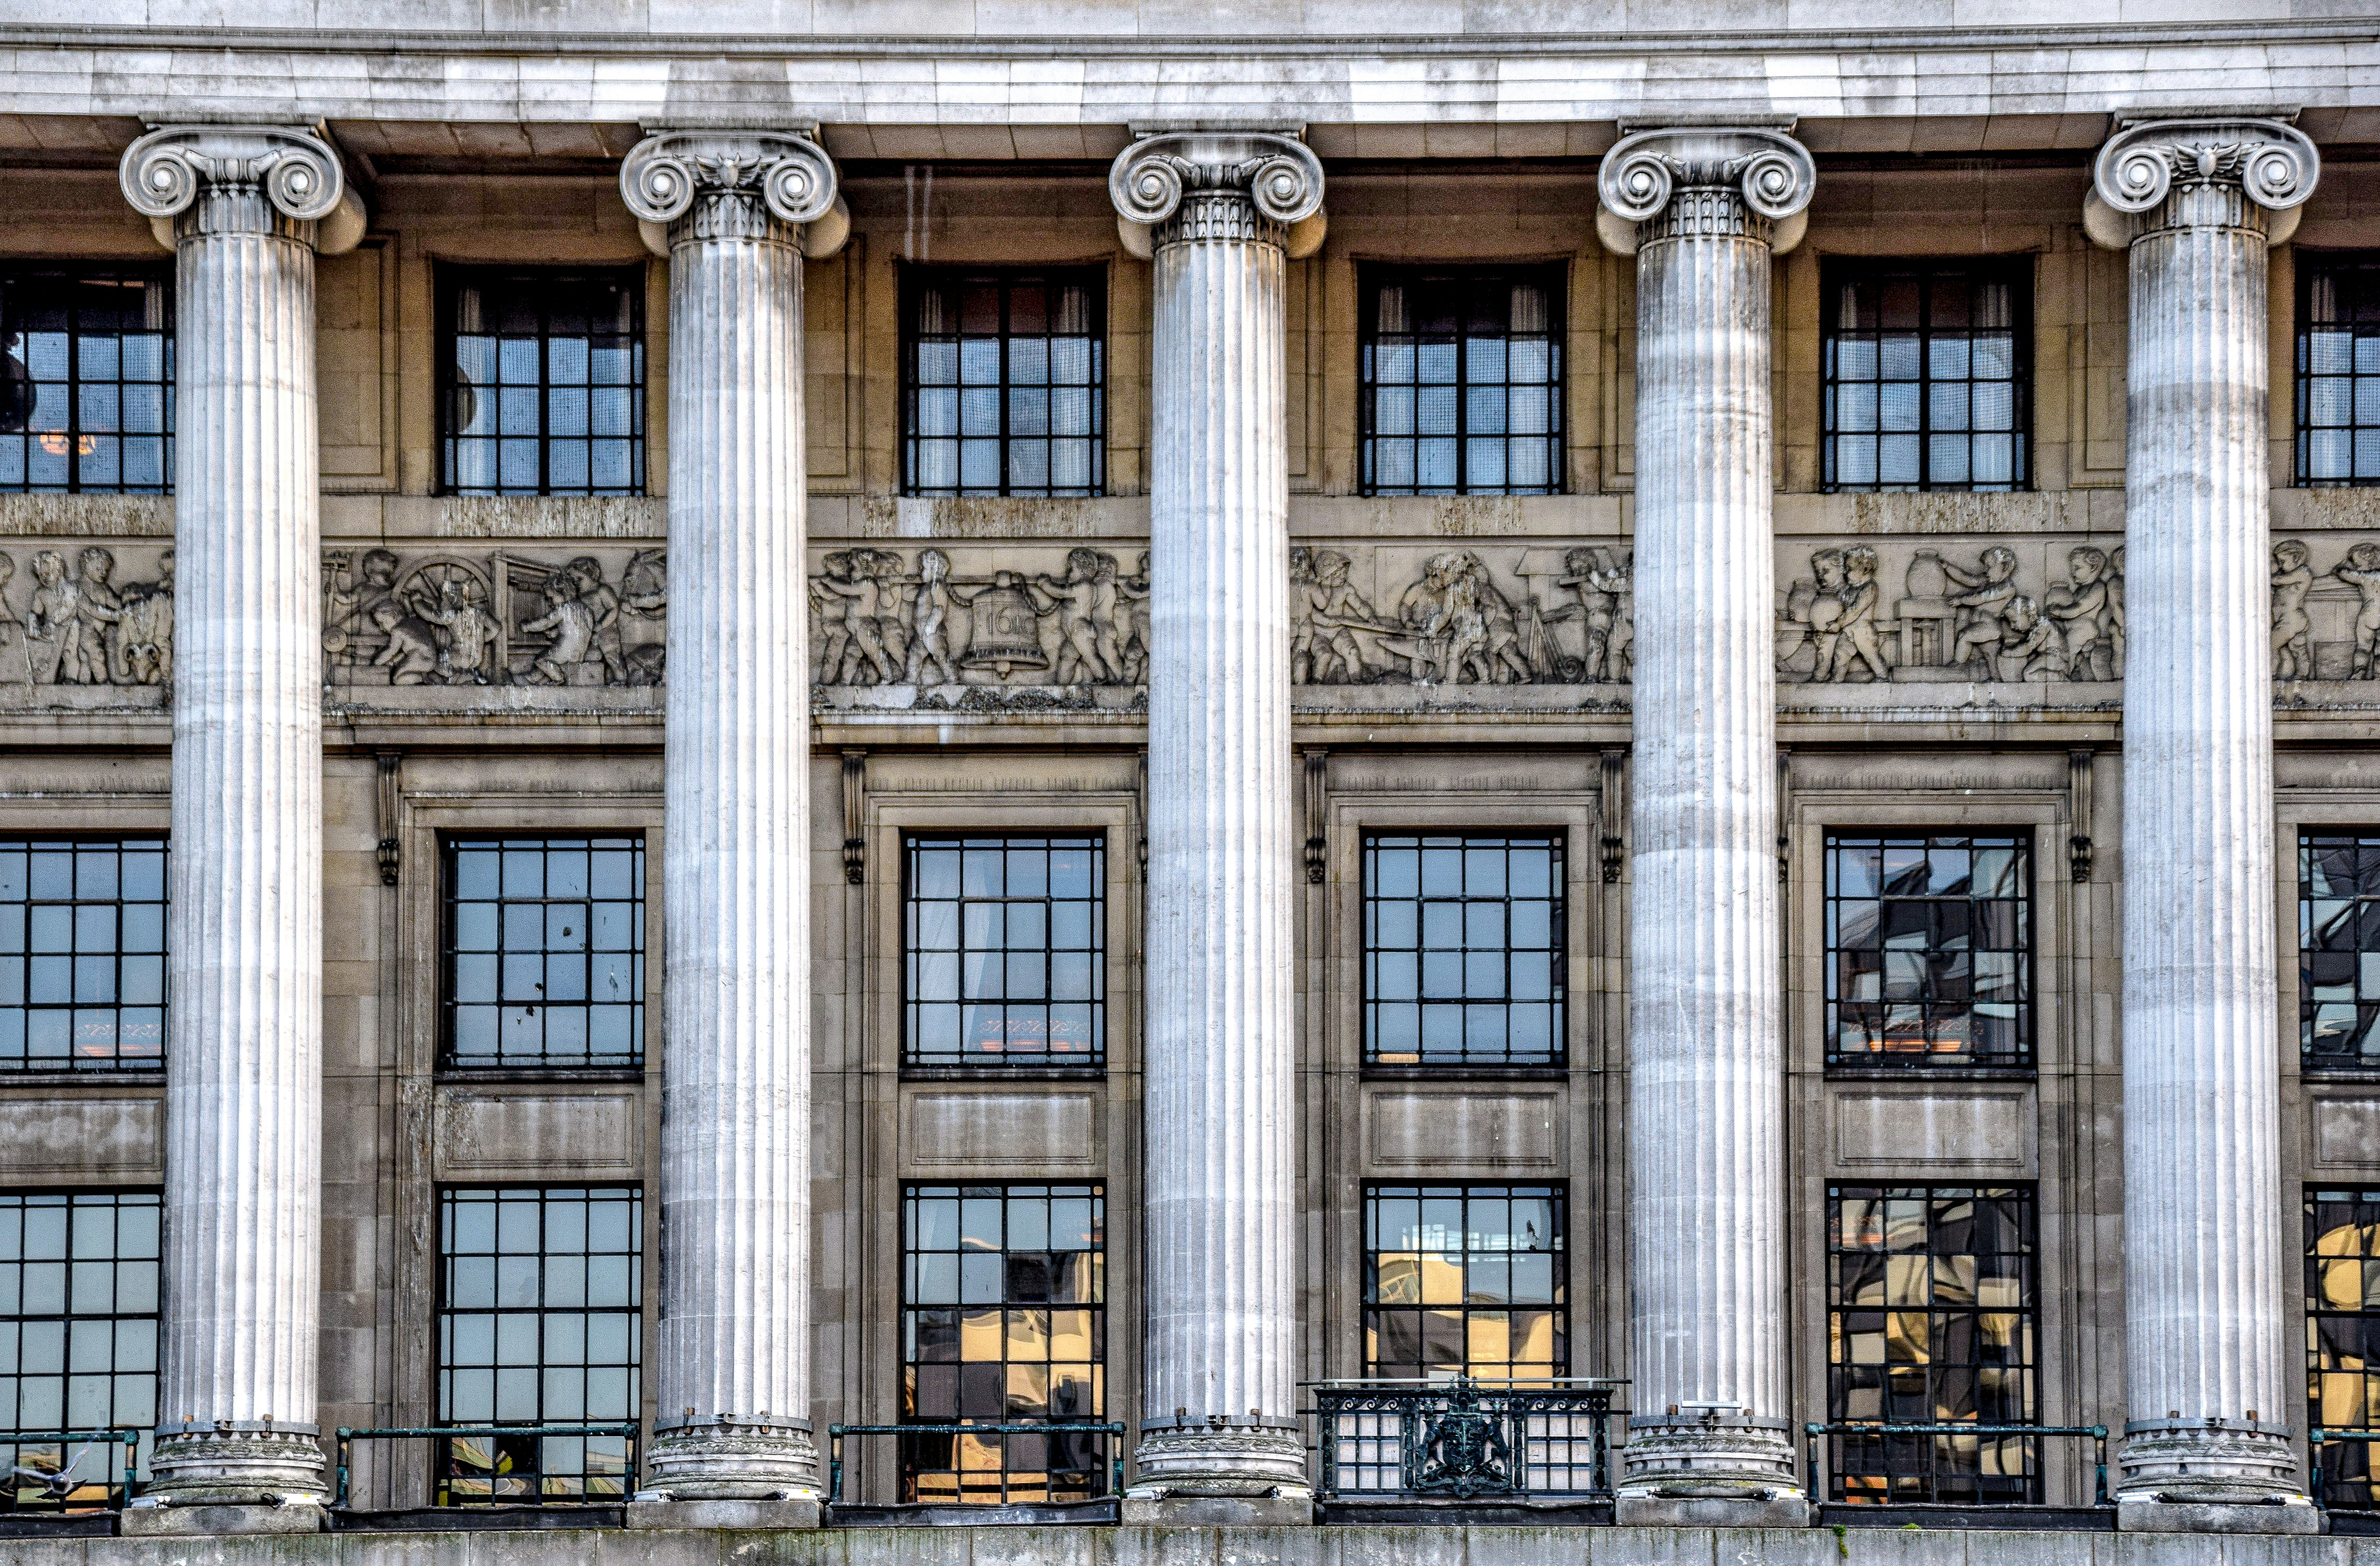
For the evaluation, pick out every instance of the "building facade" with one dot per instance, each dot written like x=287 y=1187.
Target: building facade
x=1081 y=733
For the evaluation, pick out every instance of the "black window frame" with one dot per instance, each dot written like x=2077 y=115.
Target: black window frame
x=97 y=1465
x=1372 y=999
x=450 y=955
x=2016 y=271
x=2024 y=1057
x=2332 y=1331
x=532 y=1454
x=542 y=280
x=915 y=279
x=2312 y=267
x=1475 y=1298
x=1553 y=278
x=1911 y=1466
x=1084 y=1455
x=914 y=1057
x=2362 y=911
x=17 y=385
x=74 y=1061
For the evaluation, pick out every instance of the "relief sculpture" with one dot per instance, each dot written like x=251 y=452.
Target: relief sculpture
x=1952 y=621
x=1570 y=622
x=80 y=627
x=2325 y=624
x=438 y=619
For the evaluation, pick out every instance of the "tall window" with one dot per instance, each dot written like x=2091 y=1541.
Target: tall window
x=545 y=951
x=2339 y=947
x=87 y=382
x=1464 y=1280
x=1461 y=380
x=543 y=381
x=540 y=1322
x=2342 y=1292
x=1463 y=949
x=1005 y=951
x=1003 y=1319
x=1930 y=1320
x=77 y=1339
x=1006 y=382
x=1929 y=949
x=82 y=953
x=2339 y=368
x=1929 y=370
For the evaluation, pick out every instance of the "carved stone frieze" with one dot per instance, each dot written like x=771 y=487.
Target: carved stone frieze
x=434 y=618
x=74 y=623
x=1568 y=621
x=1977 y=617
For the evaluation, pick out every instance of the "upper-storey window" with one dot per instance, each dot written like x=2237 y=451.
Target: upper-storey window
x=1929 y=375
x=542 y=382
x=1461 y=380
x=1005 y=950
x=1004 y=381
x=1929 y=949
x=2339 y=947
x=87 y=383
x=2339 y=368
x=82 y=953
x=1464 y=949
x=545 y=951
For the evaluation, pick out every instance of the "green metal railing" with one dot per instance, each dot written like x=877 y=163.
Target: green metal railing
x=2096 y=1434
x=2316 y=1439
x=348 y=1436
x=835 y=1434
x=131 y=1440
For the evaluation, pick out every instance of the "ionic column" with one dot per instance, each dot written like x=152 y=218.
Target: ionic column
x=1704 y=211
x=246 y=208
x=1221 y=1437
x=735 y=214
x=2207 y=1366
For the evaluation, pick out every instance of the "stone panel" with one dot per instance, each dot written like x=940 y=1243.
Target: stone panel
x=75 y=1138
x=1981 y=1128
x=492 y=1134
x=2346 y=1131
x=1415 y=1130
x=1049 y=1128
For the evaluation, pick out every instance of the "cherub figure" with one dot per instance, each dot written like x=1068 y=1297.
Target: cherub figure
x=1981 y=606
x=930 y=613
x=2076 y=609
x=82 y=638
x=347 y=606
x=2292 y=627
x=411 y=655
x=15 y=658
x=1855 y=640
x=1084 y=645
x=1333 y=613
x=1816 y=604
x=2028 y=643
x=849 y=594
x=52 y=609
x=466 y=630
x=2112 y=620
x=571 y=626
x=1133 y=592
x=2361 y=570
x=142 y=651
x=1508 y=660
x=1601 y=593
x=604 y=605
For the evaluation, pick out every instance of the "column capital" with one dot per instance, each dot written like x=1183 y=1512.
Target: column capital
x=1761 y=176
x=1258 y=185
x=273 y=172
x=726 y=182
x=2221 y=169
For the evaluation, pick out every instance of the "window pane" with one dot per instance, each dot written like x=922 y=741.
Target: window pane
x=548 y=358
x=1929 y=961
x=2339 y=945
x=1005 y=951
x=547 y=933
x=1470 y=1254
x=1485 y=346
x=86 y=356
x=82 y=928
x=1477 y=923
x=1024 y=349
x=1931 y=357
x=77 y=1339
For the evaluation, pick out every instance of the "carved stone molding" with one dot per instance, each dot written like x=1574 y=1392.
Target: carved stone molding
x=706 y=184
x=2227 y=170
x=1743 y=182
x=268 y=172
x=1253 y=186
x=503 y=618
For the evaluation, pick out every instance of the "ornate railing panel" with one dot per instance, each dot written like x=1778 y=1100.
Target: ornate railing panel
x=1462 y=1440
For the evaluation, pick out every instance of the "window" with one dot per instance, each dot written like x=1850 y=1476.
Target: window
x=1463 y=949
x=1461 y=380
x=2342 y=1291
x=82 y=953
x=543 y=381
x=2339 y=947
x=1930 y=1320
x=545 y=951
x=77 y=1339
x=540 y=1322
x=87 y=382
x=1003 y=1319
x=2339 y=368
x=1005 y=952
x=1928 y=373
x=1005 y=376
x=1464 y=1280
x=1929 y=949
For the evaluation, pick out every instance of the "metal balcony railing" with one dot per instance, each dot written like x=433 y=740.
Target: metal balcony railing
x=1465 y=1440
x=2334 y=1490
x=64 y=1487
x=1093 y=1468
x=1921 y=1446
x=503 y=1464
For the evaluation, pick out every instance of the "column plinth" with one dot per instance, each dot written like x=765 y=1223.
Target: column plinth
x=733 y=1369
x=245 y=209
x=1217 y=211
x=2207 y=1445
x=1705 y=211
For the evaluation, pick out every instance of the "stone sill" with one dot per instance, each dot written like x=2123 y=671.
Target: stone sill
x=475 y=1076
x=1466 y=1073
x=51 y=1081
x=1003 y=1074
x=1933 y=1073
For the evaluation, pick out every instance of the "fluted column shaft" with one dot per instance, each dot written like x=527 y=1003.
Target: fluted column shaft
x=2207 y=1362
x=1706 y=1085
x=733 y=1369
x=1219 y=1349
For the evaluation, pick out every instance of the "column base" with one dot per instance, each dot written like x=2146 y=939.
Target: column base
x=268 y=1466
x=138 y=1521
x=1217 y=1511
x=2177 y=1511
x=741 y=1516
x=739 y=1460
